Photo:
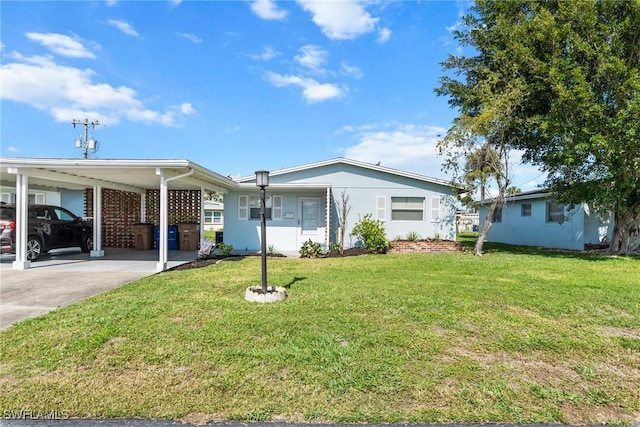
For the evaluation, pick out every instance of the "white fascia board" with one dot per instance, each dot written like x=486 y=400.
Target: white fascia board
x=77 y=180
x=287 y=187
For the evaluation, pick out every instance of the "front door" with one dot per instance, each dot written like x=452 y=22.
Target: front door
x=309 y=219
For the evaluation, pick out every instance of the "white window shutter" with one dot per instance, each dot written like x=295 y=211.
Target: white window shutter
x=40 y=198
x=243 y=207
x=381 y=208
x=435 y=209
x=276 y=208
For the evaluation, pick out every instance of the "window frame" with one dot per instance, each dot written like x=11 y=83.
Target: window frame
x=497 y=216
x=526 y=213
x=551 y=212
x=406 y=209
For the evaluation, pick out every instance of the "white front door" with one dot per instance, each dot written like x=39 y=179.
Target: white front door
x=309 y=210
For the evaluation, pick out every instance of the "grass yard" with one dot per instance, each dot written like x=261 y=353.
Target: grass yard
x=515 y=336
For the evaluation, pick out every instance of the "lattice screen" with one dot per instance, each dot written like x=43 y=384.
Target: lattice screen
x=121 y=210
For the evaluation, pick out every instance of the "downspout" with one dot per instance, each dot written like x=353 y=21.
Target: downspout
x=164 y=217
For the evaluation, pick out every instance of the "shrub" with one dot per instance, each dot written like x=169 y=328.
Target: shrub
x=412 y=236
x=311 y=249
x=225 y=249
x=371 y=233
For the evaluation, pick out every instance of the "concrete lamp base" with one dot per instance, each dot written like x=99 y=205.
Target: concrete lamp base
x=274 y=294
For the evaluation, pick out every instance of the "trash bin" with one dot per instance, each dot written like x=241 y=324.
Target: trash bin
x=219 y=238
x=142 y=236
x=189 y=236
x=172 y=237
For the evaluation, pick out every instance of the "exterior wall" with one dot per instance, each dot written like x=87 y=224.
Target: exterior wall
x=283 y=234
x=598 y=229
x=364 y=186
x=73 y=200
x=573 y=233
x=365 y=189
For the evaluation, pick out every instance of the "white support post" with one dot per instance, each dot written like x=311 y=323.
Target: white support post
x=96 y=250
x=202 y=194
x=22 y=220
x=164 y=223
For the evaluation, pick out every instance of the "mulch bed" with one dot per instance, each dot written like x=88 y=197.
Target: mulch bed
x=204 y=262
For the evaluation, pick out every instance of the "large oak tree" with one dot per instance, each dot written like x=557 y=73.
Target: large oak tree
x=576 y=68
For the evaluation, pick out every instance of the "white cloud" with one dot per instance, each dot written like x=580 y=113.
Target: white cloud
x=312 y=57
x=112 y=3
x=340 y=20
x=268 y=53
x=408 y=147
x=123 y=26
x=267 y=9
x=66 y=93
x=350 y=71
x=384 y=34
x=312 y=90
x=191 y=37
x=61 y=44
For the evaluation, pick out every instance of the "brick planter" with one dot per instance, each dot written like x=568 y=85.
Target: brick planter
x=423 y=246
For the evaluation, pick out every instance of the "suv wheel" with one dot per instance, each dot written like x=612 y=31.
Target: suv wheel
x=34 y=248
x=87 y=243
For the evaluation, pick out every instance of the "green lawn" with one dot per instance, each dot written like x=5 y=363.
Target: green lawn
x=514 y=336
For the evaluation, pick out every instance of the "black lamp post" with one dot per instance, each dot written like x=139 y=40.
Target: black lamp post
x=262 y=181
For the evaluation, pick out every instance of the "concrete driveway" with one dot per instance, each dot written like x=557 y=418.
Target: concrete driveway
x=66 y=276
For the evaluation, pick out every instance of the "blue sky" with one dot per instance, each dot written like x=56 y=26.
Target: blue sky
x=234 y=86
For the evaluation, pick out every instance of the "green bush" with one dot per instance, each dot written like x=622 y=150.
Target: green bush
x=371 y=233
x=311 y=249
x=225 y=249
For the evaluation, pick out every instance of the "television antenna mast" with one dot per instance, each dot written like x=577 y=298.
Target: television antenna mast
x=88 y=143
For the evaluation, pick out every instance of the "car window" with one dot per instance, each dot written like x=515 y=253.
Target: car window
x=43 y=213
x=64 y=215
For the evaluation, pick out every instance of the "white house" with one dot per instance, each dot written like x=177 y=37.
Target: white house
x=213 y=215
x=534 y=219
x=302 y=205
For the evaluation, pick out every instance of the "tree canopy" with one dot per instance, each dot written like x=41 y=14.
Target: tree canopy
x=570 y=74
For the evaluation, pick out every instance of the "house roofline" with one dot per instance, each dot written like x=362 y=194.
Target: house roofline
x=357 y=163
x=525 y=195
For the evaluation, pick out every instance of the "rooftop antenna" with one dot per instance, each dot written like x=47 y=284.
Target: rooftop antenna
x=88 y=143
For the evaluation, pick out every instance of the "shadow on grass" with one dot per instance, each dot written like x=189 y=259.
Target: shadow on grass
x=468 y=240
x=295 y=279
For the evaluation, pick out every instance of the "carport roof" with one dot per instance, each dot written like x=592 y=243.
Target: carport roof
x=126 y=175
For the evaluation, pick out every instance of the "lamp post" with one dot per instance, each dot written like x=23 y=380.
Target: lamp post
x=262 y=181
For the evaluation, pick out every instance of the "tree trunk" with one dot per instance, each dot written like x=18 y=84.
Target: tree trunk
x=626 y=230
x=477 y=249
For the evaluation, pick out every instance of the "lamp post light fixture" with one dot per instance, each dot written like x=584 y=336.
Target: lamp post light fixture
x=262 y=181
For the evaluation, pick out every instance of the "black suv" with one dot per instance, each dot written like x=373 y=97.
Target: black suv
x=50 y=227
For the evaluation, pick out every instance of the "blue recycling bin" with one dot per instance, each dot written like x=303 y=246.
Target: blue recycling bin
x=172 y=239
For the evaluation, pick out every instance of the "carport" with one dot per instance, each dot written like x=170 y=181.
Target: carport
x=134 y=176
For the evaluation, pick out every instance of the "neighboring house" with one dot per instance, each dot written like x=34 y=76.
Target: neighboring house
x=467 y=221
x=70 y=199
x=213 y=215
x=302 y=204
x=534 y=219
